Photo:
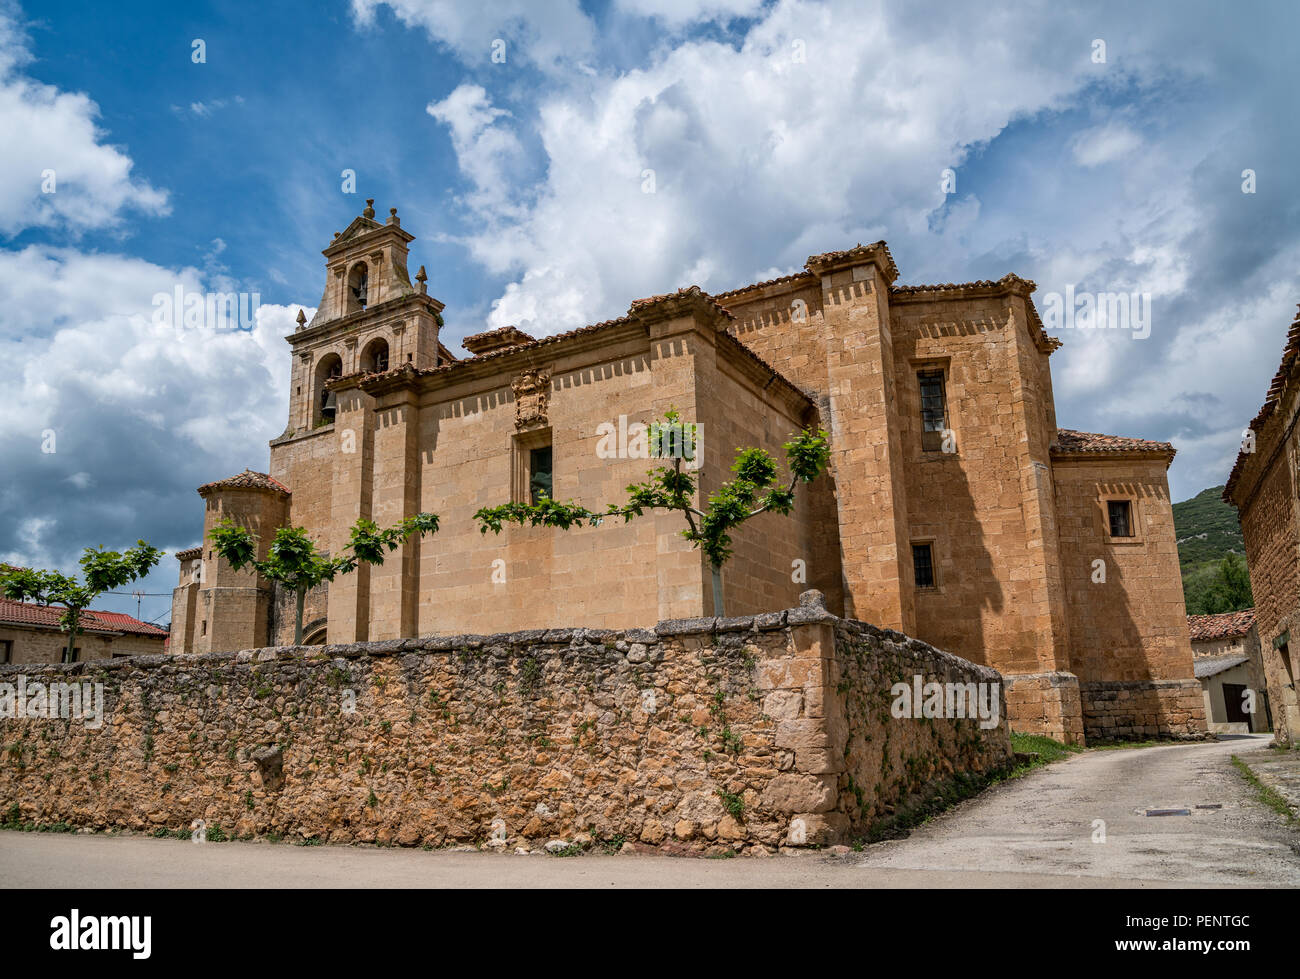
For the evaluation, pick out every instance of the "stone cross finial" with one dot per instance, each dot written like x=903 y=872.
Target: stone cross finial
x=369 y=212
x=421 y=278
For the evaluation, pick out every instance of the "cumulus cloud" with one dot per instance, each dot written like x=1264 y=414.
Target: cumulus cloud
x=487 y=152
x=679 y=13
x=713 y=161
x=115 y=418
x=542 y=34
x=825 y=124
x=56 y=169
x=1104 y=144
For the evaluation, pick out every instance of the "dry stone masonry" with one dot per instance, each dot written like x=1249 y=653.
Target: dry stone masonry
x=701 y=734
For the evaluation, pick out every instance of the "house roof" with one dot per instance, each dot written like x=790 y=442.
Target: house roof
x=1209 y=666
x=1070 y=441
x=248 y=479
x=949 y=290
x=188 y=553
x=47 y=617
x=1276 y=389
x=650 y=308
x=825 y=258
x=499 y=339
x=1226 y=625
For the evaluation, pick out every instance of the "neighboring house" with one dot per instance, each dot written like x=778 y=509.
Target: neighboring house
x=1265 y=488
x=955 y=511
x=31 y=634
x=1227 y=659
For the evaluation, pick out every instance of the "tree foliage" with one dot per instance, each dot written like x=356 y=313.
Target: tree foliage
x=1222 y=586
x=294 y=561
x=101 y=571
x=754 y=489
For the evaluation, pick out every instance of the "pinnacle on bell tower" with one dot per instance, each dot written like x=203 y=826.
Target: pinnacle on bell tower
x=365 y=266
x=370 y=319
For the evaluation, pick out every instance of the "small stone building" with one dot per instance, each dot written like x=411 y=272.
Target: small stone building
x=30 y=634
x=1227 y=660
x=956 y=510
x=1264 y=486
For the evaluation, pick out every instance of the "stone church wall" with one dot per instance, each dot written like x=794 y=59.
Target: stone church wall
x=702 y=734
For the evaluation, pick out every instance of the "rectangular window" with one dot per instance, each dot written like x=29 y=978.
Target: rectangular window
x=1121 y=517
x=934 y=410
x=923 y=565
x=6 y=650
x=76 y=655
x=539 y=474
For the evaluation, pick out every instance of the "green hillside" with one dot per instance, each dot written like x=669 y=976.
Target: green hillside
x=1208 y=532
x=1206 y=528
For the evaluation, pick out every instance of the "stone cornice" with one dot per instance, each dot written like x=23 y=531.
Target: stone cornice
x=877 y=253
x=408 y=302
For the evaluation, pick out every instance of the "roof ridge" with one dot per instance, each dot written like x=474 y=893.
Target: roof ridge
x=1075 y=440
x=248 y=479
x=1276 y=391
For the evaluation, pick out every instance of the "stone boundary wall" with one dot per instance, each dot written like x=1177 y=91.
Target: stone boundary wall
x=702 y=734
x=1047 y=704
x=1136 y=709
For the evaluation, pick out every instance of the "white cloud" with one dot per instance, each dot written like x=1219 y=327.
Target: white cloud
x=679 y=13
x=488 y=154
x=1104 y=144
x=140 y=411
x=543 y=34
x=62 y=147
x=801 y=140
x=828 y=124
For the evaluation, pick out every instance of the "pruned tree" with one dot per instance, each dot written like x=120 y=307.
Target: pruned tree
x=102 y=571
x=294 y=561
x=754 y=490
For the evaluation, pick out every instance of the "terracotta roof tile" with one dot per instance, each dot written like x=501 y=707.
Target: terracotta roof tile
x=764 y=284
x=638 y=308
x=1276 y=389
x=1068 y=440
x=47 y=616
x=499 y=339
x=1226 y=625
x=823 y=258
x=891 y=269
x=248 y=479
x=189 y=553
x=1009 y=282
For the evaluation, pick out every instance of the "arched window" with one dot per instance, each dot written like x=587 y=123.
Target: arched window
x=357 y=286
x=330 y=367
x=374 y=359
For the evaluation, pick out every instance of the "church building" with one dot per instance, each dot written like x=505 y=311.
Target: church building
x=955 y=510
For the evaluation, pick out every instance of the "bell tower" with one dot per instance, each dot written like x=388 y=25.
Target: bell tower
x=370 y=319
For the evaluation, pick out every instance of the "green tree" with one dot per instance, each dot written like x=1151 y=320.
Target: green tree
x=1219 y=587
x=754 y=490
x=102 y=570
x=293 y=560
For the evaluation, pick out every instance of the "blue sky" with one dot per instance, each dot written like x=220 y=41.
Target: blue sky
x=775 y=130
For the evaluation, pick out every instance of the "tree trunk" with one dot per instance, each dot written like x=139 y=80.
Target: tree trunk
x=72 y=638
x=297 y=627
x=717 y=589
